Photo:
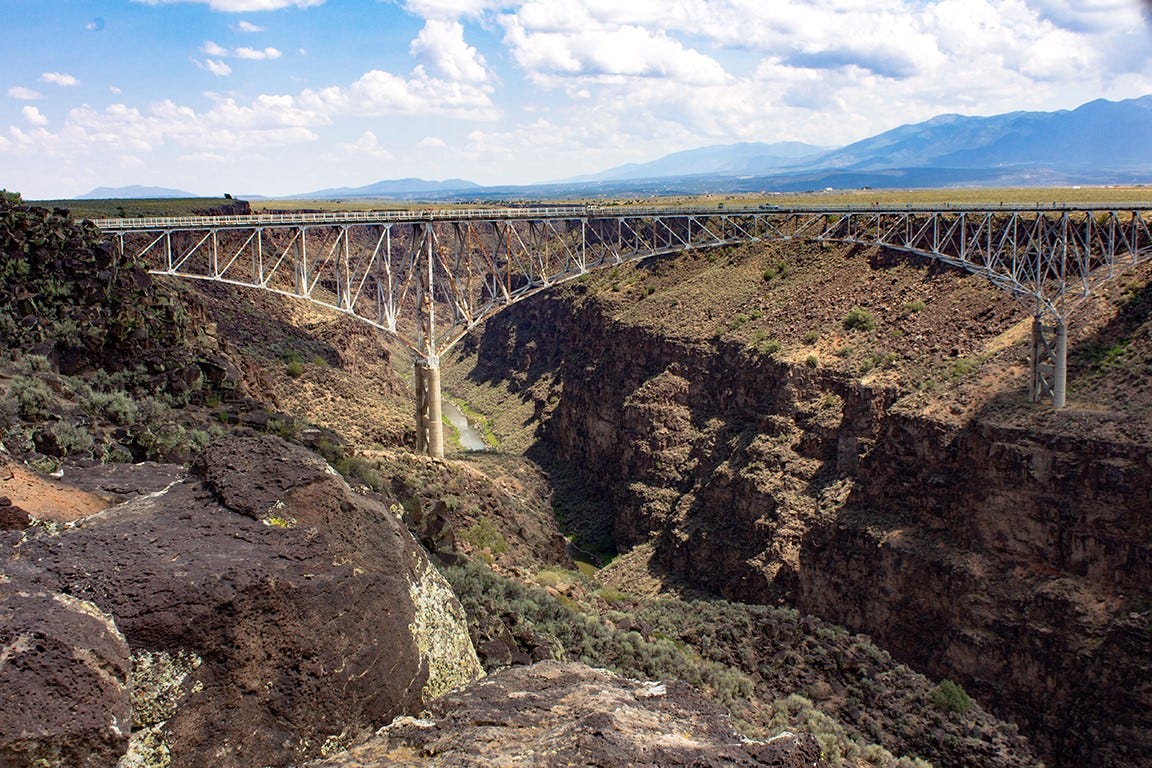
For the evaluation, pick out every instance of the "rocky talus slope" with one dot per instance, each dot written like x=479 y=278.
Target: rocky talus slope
x=846 y=430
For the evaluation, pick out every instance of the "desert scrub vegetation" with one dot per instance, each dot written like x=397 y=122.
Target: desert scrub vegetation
x=493 y=602
x=912 y=307
x=48 y=414
x=356 y=470
x=293 y=364
x=837 y=746
x=760 y=662
x=859 y=319
x=950 y=697
x=484 y=537
x=114 y=208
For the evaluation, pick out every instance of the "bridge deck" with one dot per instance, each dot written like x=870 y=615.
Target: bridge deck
x=428 y=277
x=569 y=212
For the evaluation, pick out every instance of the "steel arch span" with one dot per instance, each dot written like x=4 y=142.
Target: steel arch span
x=429 y=277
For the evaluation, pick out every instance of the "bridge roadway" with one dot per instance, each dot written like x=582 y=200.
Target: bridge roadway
x=430 y=276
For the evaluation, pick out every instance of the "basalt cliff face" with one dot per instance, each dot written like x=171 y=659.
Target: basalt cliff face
x=973 y=535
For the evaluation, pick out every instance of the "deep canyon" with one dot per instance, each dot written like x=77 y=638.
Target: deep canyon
x=924 y=502
x=761 y=445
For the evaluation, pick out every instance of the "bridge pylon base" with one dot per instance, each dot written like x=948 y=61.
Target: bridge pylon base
x=1049 y=361
x=429 y=413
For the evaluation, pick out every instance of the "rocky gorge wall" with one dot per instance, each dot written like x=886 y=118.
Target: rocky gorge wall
x=1012 y=558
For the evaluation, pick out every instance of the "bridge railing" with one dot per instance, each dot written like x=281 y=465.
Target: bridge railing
x=336 y=217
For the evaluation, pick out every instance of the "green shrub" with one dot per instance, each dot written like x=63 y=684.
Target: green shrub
x=1105 y=358
x=881 y=360
x=73 y=439
x=35 y=364
x=114 y=453
x=33 y=397
x=362 y=471
x=812 y=361
x=118 y=407
x=950 y=697
x=484 y=536
x=611 y=595
x=9 y=412
x=963 y=367
x=811 y=337
x=293 y=363
x=911 y=307
x=554 y=577
x=285 y=428
x=859 y=319
x=332 y=453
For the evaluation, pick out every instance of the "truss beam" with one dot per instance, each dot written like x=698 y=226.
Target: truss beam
x=429 y=278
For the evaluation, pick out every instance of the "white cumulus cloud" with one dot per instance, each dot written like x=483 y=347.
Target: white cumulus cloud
x=367 y=145
x=34 y=116
x=455 y=9
x=441 y=46
x=214 y=66
x=212 y=48
x=241 y=6
x=247 y=26
x=253 y=54
x=598 y=50
x=24 y=94
x=59 y=78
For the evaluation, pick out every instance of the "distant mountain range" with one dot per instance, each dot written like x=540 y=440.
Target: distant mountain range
x=1098 y=143
x=1098 y=137
x=1101 y=142
x=730 y=159
x=393 y=188
x=134 y=192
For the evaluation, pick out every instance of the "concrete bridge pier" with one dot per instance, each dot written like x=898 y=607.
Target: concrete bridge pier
x=429 y=416
x=1049 y=360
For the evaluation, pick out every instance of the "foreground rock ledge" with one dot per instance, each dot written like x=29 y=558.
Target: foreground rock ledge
x=64 y=696
x=272 y=614
x=556 y=713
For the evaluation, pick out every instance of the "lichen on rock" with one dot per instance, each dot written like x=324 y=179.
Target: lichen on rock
x=441 y=632
x=159 y=680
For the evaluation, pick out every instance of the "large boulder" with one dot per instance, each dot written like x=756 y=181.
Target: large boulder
x=64 y=696
x=272 y=613
x=562 y=713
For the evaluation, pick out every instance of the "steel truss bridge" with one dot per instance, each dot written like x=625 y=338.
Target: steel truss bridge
x=429 y=277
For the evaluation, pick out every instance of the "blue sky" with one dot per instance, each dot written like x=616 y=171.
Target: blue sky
x=285 y=96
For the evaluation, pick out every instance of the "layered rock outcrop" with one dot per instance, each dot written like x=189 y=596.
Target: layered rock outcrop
x=1012 y=556
x=272 y=614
